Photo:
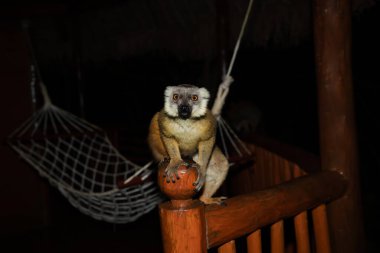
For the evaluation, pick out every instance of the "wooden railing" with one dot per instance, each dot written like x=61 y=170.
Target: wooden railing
x=279 y=190
x=247 y=213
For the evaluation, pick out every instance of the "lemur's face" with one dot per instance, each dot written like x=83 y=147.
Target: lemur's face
x=186 y=101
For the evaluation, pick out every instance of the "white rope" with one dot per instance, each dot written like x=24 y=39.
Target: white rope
x=45 y=94
x=224 y=144
x=242 y=29
x=224 y=87
x=223 y=90
x=221 y=95
x=36 y=74
x=222 y=124
x=232 y=132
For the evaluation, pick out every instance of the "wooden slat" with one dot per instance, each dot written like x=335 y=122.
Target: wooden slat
x=306 y=160
x=277 y=237
x=264 y=207
x=254 y=242
x=302 y=242
x=228 y=247
x=321 y=230
x=301 y=224
x=302 y=233
x=277 y=229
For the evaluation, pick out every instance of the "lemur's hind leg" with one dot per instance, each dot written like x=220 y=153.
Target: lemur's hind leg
x=216 y=173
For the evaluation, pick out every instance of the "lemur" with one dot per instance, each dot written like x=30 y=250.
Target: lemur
x=185 y=127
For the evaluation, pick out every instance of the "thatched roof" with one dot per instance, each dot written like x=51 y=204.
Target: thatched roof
x=183 y=28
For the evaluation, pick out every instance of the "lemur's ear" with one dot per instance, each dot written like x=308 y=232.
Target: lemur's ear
x=204 y=93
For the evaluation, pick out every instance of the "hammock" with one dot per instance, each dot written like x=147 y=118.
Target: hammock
x=79 y=159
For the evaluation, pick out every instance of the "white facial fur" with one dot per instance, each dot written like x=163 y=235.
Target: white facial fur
x=199 y=108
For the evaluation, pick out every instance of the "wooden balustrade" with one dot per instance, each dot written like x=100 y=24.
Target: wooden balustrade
x=188 y=226
x=265 y=207
x=274 y=167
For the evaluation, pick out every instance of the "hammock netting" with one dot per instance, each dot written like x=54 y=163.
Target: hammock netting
x=79 y=159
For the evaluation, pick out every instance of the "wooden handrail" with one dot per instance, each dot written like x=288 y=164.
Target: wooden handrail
x=246 y=213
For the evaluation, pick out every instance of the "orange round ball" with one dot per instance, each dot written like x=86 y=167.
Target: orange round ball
x=183 y=188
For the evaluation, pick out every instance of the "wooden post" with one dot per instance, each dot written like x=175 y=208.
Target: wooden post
x=332 y=30
x=182 y=219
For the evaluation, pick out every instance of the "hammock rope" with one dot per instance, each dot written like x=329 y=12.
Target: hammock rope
x=223 y=90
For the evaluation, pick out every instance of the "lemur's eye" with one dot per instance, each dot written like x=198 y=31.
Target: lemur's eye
x=194 y=97
x=175 y=97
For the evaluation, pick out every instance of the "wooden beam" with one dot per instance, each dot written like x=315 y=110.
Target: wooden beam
x=332 y=30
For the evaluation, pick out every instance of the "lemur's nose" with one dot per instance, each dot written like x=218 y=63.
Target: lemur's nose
x=184 y=111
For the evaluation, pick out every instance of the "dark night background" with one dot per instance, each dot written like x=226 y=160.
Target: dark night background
x=109 y=62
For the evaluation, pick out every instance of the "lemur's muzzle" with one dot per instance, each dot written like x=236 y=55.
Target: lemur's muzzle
x=184 y=111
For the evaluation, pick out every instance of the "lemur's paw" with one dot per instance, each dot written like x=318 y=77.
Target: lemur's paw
x=200 y=178
x=163 y=162
x=171 y=171
x=199 y=183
